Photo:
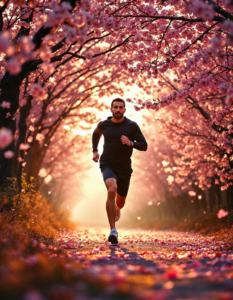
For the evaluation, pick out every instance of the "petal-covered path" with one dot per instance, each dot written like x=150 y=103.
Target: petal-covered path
x=146 y=265
x=151 y=264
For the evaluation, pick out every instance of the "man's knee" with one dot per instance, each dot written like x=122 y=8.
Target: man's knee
x=120 y=202
x=112 y=191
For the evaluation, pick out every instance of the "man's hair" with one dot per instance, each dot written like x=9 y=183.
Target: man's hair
x=117 y=100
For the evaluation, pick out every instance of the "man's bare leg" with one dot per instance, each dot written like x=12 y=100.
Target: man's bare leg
x=110 y=204
x=120 y=202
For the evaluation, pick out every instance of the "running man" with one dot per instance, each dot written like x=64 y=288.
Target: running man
x=121 y=135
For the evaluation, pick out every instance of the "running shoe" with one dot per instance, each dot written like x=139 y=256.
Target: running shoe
x=118 y=214
x=113 y=236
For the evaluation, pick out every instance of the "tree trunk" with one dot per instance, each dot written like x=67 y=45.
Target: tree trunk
x=6 y=165
x=203 y=201
x=10 y=89
x=34 y=160
x=208 y=202
x=10 y=85
x=218 y=195
x=229 y=195
x=212 y=195
x=24 y=112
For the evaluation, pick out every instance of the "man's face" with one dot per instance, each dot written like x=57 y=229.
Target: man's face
x=118 y=109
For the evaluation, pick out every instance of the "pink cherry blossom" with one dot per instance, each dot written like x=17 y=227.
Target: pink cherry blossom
x=40 y=137
x=6 y=137
x=8 y=154
x=5 y=44
x=45 y=54
x=14 y=66
x=88 y=55
x=24 y=146
x=222 y=213
x=43 y=172
x=22 y=102
x=36 y=90
x=48 y=179
x=6 y=104
x=192 y=193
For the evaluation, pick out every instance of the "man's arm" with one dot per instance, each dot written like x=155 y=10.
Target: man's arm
x=140 y=143
x=96 y=137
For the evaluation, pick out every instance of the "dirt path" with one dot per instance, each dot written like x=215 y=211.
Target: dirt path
x=153 y=264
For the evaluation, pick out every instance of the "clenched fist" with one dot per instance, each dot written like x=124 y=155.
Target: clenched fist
x=125 y=140
x=96 y=156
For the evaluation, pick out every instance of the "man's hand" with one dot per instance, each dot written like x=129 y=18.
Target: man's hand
x=96 y=156
x=125 y=140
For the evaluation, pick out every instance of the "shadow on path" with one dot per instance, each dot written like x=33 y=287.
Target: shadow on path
x=131 y=257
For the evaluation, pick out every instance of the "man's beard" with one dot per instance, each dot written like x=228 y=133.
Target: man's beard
x=118 y=116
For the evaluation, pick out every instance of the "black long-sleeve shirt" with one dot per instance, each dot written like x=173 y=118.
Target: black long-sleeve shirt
x=117 y=155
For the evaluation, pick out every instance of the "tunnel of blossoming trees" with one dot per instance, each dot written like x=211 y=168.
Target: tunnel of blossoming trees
x=172 y=60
